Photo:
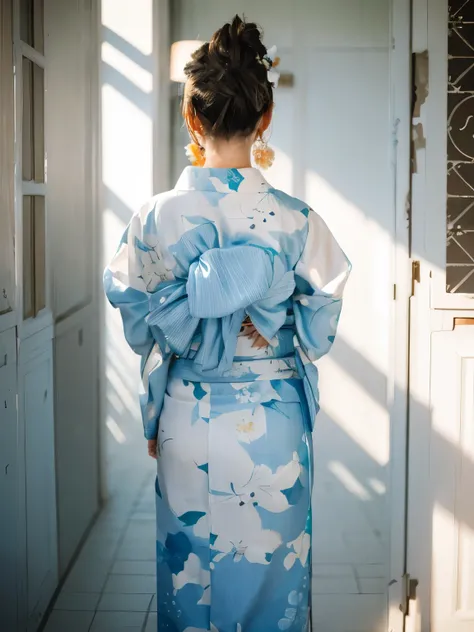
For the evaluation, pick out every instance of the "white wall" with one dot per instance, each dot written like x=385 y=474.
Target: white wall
x=134 y=91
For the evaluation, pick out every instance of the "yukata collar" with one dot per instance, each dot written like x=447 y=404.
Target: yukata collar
x=248 y=180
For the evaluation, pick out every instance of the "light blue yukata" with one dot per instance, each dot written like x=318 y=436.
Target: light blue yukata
x=233 y=423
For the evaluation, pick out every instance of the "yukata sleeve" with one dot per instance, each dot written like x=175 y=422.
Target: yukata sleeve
x=129 y=280
x=320 y=276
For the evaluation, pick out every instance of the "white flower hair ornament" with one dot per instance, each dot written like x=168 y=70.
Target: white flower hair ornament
x=271 y=61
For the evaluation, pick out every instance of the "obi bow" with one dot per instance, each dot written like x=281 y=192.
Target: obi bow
x=216 y=289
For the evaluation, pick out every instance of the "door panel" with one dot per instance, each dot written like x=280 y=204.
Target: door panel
x=352 y=433
x=77 y=432
x=8 y=481
x=36 y=392
x=452 y=467
x=344 y=23
x=68 y=50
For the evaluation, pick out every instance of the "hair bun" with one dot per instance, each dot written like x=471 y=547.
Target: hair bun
x=228 y=86
x=238 y=43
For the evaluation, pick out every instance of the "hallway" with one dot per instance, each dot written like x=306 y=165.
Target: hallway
x=113 y=581
x=112 y=586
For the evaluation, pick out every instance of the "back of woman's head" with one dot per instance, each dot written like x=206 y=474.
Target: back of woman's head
x=227 y=87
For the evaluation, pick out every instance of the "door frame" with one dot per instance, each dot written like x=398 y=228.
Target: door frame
x=7 y=175
x=34 y=334
x=398 y=383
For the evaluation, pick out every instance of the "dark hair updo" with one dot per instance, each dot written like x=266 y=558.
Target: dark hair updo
x=227 y=86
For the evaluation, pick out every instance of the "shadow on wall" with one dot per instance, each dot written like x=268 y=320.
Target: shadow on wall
x=126 y=449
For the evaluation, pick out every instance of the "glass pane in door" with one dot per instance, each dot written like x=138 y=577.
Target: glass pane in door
x=38 y=123
x=33 y=150
x=34 y=255
x=40 y=253
x=32 y=23
x=28 y=258
x=460 y=149
x=27 y=126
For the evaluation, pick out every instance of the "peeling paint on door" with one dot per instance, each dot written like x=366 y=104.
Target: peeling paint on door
x=420 y=81
x=420 y=94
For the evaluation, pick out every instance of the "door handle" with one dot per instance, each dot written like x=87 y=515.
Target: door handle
x=462 y=322
x=4 y=362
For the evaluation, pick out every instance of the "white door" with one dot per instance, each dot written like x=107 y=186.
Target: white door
x=37 y=567
x=452 y=400
x=36 y=411
x=441 y=465
x=76 y=387
x=9 y=540
x=333 y=134
x=8 y=480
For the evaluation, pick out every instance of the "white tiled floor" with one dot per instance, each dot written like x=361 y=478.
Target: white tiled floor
x=349 y=571
x=112 y=584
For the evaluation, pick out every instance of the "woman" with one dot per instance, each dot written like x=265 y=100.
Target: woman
x=229 y=289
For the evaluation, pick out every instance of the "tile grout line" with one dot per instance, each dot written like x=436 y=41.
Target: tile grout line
x=357 y=579
x=147 y=616
x=133 y=506
x=145 y=622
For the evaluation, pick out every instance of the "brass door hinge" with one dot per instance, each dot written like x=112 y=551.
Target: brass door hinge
x=409 y=585
x=415 y=275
